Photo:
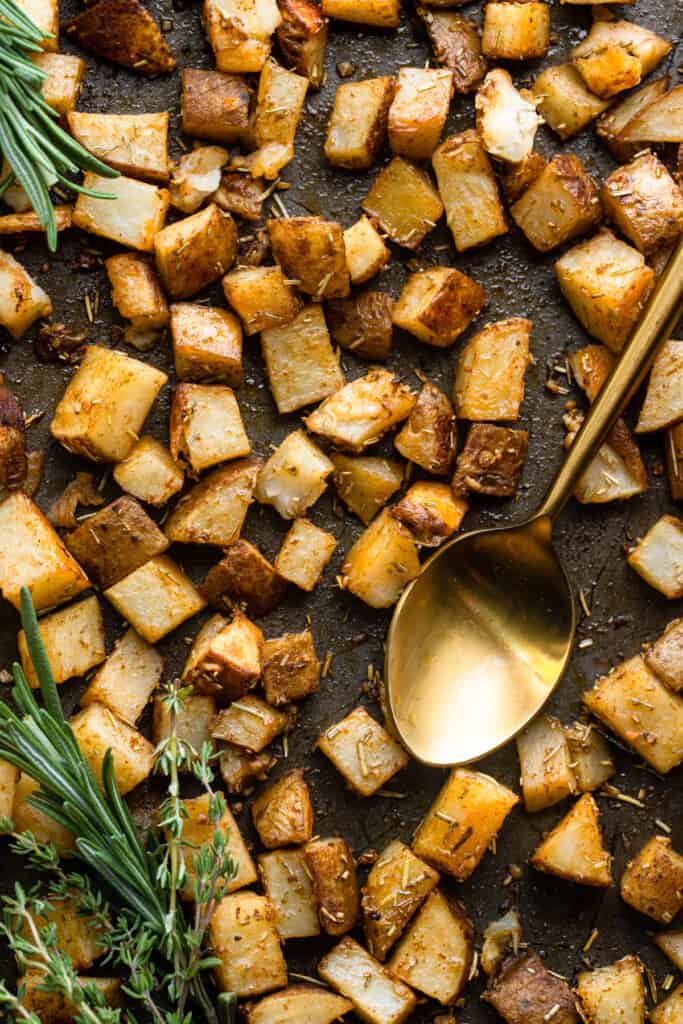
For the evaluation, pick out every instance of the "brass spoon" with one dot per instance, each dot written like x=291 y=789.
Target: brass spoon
x=481 y=638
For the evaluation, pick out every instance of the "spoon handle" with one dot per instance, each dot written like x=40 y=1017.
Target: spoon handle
x=654 y=328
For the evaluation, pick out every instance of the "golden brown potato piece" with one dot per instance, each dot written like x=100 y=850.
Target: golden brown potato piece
x=507 y=120
x=660 y=120
x=561 y=203
x=516 y=31
x=381 y=563
x=134 y=219
x=644 y=202
x=674 y=460
x=282 y=813
x=241 y=195
x=241 y=769
x=214 y=510
x=608 y=993
x=243 y=576
x=311 y=252
x=13 y=461
x=196 y=176
x=136 y=292
x=313 y=1003
x=291 y=668
x=156 y=598
x=525 y=992
x=225 y=659
x=381 y=13
x=658 y=557
x=565 y=102
x=22 y=300
x=250 y=724
x=123 y=32
x=469 y=191
x=362 y=323
x=616 y=55
x=262 y=297
x=546 y=772
x=397 y=885
x=489 y=381
x=363 y=752
x=302 y=36
x=366 y=253
x=207 y=344
x=428 y=437
x=431 y=512
x=665 y=656
x=456 y=44
x=365 y=483
x=280 y=101
x=491 y=461
x=193 y=722
x=358 y=123
x=97 y=730
x=653 y=881
x=670 y=1009
x=206 y=427
x=438 y=304
x=435 y=954
x=73 y=638
x=65 y=77
x=27 y=818
x=214 y=106
x=198 y=831
x=305 y=552
x=196 y=251
x=135 y=144
x=612 y=125
x=663 y=405
x=14 y=223
x=289 y=887
x=52 y=1008
x=377 y=996
x=590 y=755
x=362 y=411
x=244 y=936
x=301 y=364
x=333 y=870
x=294 y=476
x=405 y=202
x=419 y=110
x=574 y=848
x=127 y=679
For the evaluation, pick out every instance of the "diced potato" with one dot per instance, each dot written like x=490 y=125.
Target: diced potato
x=124 y=32
x=670 y=1010
x=653 y=881
x=397 y=885
x=563 y=202
x=206 y=426
x=506 y=118
x=332 y=869
x=115 y=541
x=613 y=993
x=366 y=253
x=45 y=15
x=564 y=101
x=516 y=31
x=135 y=216
x=382 y=13
x=363 y=323
x=27 y=818
x=435 y=955
x=644 y=202
x=659 y=120
x=76 y=936
x=365 y=483
x=240 y=32
x=16 y=223
x=491 y=461
x=663 y=405
x=193 y=721
x=225 y=658
x=468 y=190
x=156 y=598
x=241 y=770
x=405 y=202
x=517 y=178
x=665 y=656
x=616 y=55
x=280 y=101
x=149 y=473
x=97 y=730
x=546 y=765
x=196 y=176
x=489 y=382
x=282 y=812
x=198 y=831
x=311 y=252
x=381 y=563
x=127 y=679
x=525 y=991
x=134 y=144
x=243 y=577
x=305 y=552
x=635 y=705
x=289 y=888
x=301 y=364
x=214 y=510
x=73 y=638
x=612 y=125
x=363 y=752
x=591 y=366
x=22 y=300
x=430 y=511
x=674 y=460
x=377 y=996
x=53 y=1008
x=298 y=1003
x=13 y=456
x=362 y=411
x=137 y=295
x=105 y=404
x=294 y=476
x=438 y=304
x=65 y=77
x=265 y=162
x=9 y=776
x=456 y=43
x=244 y=936
x=33 y=556
x=658 y=557
x=501 y=937
x=291 y=669
x=302 y=35
x=250 y=723
x=207 y=344
x=671 y=945
x=196 y=251
x=240 y=194
x=616 y=473
x=419 y=110
x=428 y=437
x=463 y=820
x=590 y=755
x=262 y=297
x=214 y=106
x=574 y=849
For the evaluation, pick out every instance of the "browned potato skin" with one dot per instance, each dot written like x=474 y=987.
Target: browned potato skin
x=398 y=184
x=615 y=122
x=525 y=992
x=303 y=37
x=214 y=105
x=13 y=462
x=116 y=541
x=243 y=576
x=362 y=323
x=517 y=178
x=665 y=656
x=431 y=512
x=491 y=461
x=653 y=880
x=291 y=669
x=188 y=262
x=241 y=770
x=674 y=460
x=207 y=344
x=240 y=195
x=566 y=173
x=456 y=43
x=385 y=918
x=311 y=250
x=375 y=129
x=287 y=797
x=633 y=199
x=331 y=864
x=228 y=671
x=428 y=437
x=122 y=31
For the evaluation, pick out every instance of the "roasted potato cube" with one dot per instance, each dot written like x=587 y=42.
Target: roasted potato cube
x=616 y=55
x=250 y=723
x=658 y=557
x=9 y=776
x=305 y=552
x=77 y=936
x=419 y=110
x=670 y=1010
x=674 y=460
x=214 y=510
x=516 y=31
x=240 y=32
x=435 y=954
x=225 y=658
x=428 y=437
x=365 y=483
x=642 y=711
x=382 y=13
x=302 y=35
x=53 y=1008
x=243 y=576
x=644 y=202
x=363 y=752
x=438 y=304
x=469 y=191
x=241 y=770
x=127 y=679
x=73 y=639
x=564 y=101
x=361 y=412
x=525 y=991
x=671 y=945
x=313 y=1003
x=27 y=818
x=65 y=76
x=574 y=849
x=196 y=176
x=563 y=202
x=294 y=476
x=381 y=563
x=608 y=993
x=134 y=218
x=332 y=869
x=459 y=826
x=214 y=106
x=289 y=887
x=377 y=996
x=612 y=125
x=193 y=721
x=607 y=283
x=207 y=344
x=280 y=100
x=291 y=669
x=45 y=15
x=653 y=881
x=15 y=223
x=506 y=118
x=262 y=297
x=456 y=44
x=658 y=120
x=301 y=364
x=491 y=461
x=282 y=812
x=105 y=404
x=489 y=382
x=134 y=144
x=665 y=656
x=240 y=194
x=363 y=323
x=198 y=832
x=311 y=252
x=206 y=426
x=405 y=202
x=430 y=511
x=137 y=295
x=244 y=936
x=156 y=598
x=516 y=178
x=397 y=885
x=590 y=756
x=149 y=473
x=196 y=251
x=13 y=457
x=546 y=766
x=591 y=366
x=22 y=300
x=124 y=32
x=97 y=730
x=366 y=253
x=663 y=405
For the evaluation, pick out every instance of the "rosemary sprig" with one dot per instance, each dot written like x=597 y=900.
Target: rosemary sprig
x=38 y=151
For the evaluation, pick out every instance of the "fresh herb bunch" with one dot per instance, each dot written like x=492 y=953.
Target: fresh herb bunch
x=144 y=927
x=39 y=153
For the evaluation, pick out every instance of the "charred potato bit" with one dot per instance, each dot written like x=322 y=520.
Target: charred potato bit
x=300 y=362
x=658 y=557
x=561 y=203
x=196 y=251
x=207 y=344
x=547 y=775
x=240 y=195
x=435 y=954
x=574 y=849
x=362 y=411
x=653 y=881
x=438 y=304
x=302 y=35
x=134 y=144
x=243 y=576
x=456 y=43
x=22 y=300
x=377 y=996
x=305 y=552
x=506 y=118
x=516 y=178
x=363 y=752
x=282 y=812
x=381 y=563
x=199 y=830
x=294 y=476
x=250 y=724
x=288 y=886
x=244 y=936
x=419 y=110
x=608 y=993
x=156 y=598
x=214 y=106
x=291 y=669
x=665 y=656
x=240 y=32
x=333 y=871
x=363 y=323
x=670 y=1009
x=564 y=101
x=149 y=473
x=663 y=405
x=314 y=1002
x=193 y=722
x=430 y=511
x=366 y=253
x=590 y=756
x=311 y=252
x=428 y=437
x=65 y=76
x=197 y=176
x=405 y=202
x=644 y=202
x=525 y=991
x=365 y=483
x=382 y=13
x=97 y=731
x=491 y=461
x=612 y=126
x=225 y=659
x=73 y=638
x=616 y=55
x=123 y=32
x=469 y=191
x=489 y=382
x=658 y=120
x=27 y=818
x=214 y=510
x=516 y=31
x=13 y=461
x=206 y=427
x=262 y=297
x=134 y=219
x=397 y=885
x=127 y=679
x=137 y=294
x=240 y=769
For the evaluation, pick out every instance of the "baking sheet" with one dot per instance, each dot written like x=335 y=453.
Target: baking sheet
x=557 y=916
